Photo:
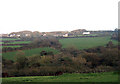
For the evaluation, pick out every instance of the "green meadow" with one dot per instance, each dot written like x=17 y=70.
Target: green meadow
x=19 y=42
x=12 y=46
x=1 y=42
x=74 y=77
x=29 y=52
x=86 y=42
x=9 y=39
x=80 y=43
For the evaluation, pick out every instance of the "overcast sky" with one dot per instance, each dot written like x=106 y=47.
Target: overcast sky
x=55 y=15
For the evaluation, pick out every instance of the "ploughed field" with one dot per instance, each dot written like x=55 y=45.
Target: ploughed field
x=86 y=42
x=74 y=77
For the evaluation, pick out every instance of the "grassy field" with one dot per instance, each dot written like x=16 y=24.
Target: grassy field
x=19 y=42
x=83 y=35
x=88 y=35
x=12 y=46
x=80 y=43
x=15 y=42
x=30 y=52
x=87 y=42
x=75 y=77
x=9 y=39
x=1 y=42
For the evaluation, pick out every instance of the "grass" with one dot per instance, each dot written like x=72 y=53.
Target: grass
x=30 y=52
x=88 y=35
x=80 y=43
x=9 y=39
x=12 y=46
x=19 y=42
x=81 y=35
x=1 y=42
x=16 y=42
x=74 y=77
x=87 y=42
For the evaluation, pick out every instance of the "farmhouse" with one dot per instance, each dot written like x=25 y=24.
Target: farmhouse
x=86 y=33
x=18 y=35
x=66 y=35
x=27 y=34
x=11 y=35
x=44 y=34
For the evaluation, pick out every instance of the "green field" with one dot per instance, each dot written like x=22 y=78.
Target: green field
x=19 y=42
x=75 y=77
x=88 y=35
x=16 y=46
x=16 y=42
x=86 y=42
x=9 y=39
x=30 y=52
x=1 y=42
x=80 y=43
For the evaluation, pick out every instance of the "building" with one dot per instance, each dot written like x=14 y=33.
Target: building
x=66 y=35
x=86 y=33
x=5 y=35
x=18 y=35
x=44 y=34
x=27 y=34
x=12 y=35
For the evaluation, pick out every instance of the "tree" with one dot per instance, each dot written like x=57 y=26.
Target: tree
x=110 y=44
x=21 y=60
x=93 y=58
x=110 y=57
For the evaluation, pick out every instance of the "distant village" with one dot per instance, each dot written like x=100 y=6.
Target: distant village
x=55 y=33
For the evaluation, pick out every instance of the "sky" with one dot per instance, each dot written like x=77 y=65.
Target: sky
x=58 y=15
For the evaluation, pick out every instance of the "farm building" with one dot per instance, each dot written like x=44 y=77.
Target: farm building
x=12 y=35
x=18 y=35
x=66 y=35
x=86 y=33
x=27 y=34
x=44 y=34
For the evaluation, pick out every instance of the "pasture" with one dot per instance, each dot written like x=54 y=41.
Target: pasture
x=1 y=42
x=16 y=46
x=80 y=43
x=74 y=77
x=9 y=39
x=86 y=42
x=19 y=42
x=29 y=52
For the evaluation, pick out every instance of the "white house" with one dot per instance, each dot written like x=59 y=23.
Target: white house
x=11 y=35
x=18 y=35
x=66 y=35
x=27 y=34
x=44 y=34
x=86 y=33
